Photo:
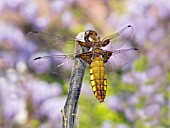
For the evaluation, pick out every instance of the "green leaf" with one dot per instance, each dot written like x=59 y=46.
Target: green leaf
x=141 y=64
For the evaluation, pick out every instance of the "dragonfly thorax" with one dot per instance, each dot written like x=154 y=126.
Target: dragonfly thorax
x=97 y=50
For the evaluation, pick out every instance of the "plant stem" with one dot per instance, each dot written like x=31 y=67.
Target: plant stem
x=70 y=108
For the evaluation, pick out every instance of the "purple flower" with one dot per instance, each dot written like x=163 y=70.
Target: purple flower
x=134 y=99
x=57 y=6
x=163 y=9
x=112 y=19
x=115 y=103
x=155 y=72
x=147 y=90
x=41 y=23
x=89 y=26
x=159 y=99
x=52 y=109
x=130 y=114
x=141 y=114
x=13 y=35
x=29 y=10
x=68 y=19
x=127 y=78
x=140 y=77
x=41 y=91
x=12 y=104
x=153 y=110
x=10 y=109
x=107 y=124
x=10 y=4
x=159 y=32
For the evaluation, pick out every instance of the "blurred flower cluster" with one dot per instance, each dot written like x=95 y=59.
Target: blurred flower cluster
x=148 y=102
x=22 y=96
x=137 y=95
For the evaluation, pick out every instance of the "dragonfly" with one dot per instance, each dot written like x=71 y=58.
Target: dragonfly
x=103 y=54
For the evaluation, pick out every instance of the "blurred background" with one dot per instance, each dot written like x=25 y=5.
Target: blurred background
x=138 y=94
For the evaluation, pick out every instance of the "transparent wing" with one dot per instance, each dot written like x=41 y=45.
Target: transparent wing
x=120 y=58
x=117 y=40
x=55 y=64
x=46 y=41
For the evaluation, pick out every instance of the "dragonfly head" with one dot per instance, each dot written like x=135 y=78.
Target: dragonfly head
x=91 y=36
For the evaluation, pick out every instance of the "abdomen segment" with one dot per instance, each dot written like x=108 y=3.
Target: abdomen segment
x=98 y=78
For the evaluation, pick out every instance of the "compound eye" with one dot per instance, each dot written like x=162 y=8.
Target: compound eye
x=87 y=32
x=90 y=32
x=94 y=33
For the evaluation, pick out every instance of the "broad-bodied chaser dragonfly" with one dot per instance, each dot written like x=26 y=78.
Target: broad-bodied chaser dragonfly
x=112 y=57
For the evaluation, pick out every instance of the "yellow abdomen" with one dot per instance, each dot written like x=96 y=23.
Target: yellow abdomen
x=98 y=78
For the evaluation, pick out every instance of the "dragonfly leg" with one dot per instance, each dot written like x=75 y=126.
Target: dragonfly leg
x=86 y=56
x=105 y=42
x=85 y=44
x=106 y=55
